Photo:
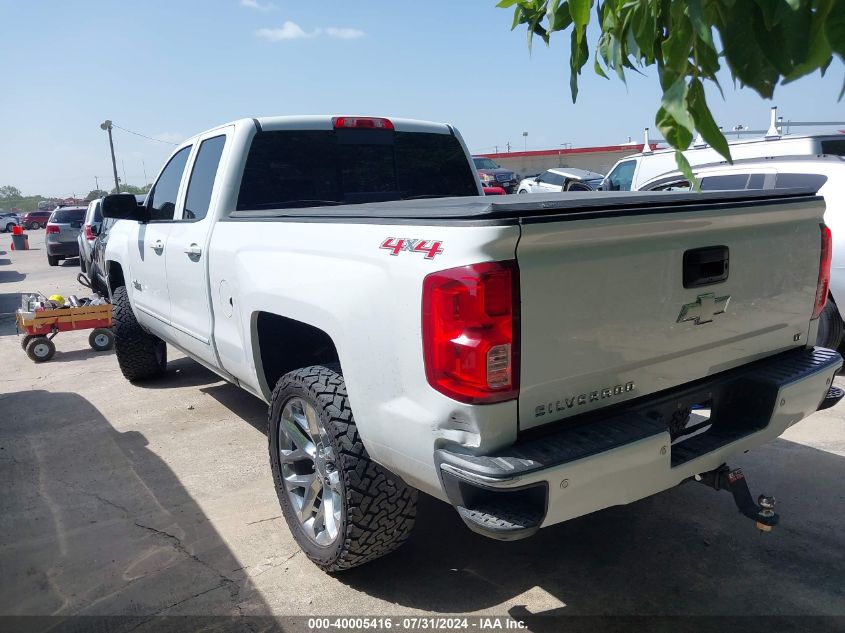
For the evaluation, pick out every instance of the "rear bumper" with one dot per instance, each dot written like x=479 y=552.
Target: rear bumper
x=625 y=454
x=63 y=249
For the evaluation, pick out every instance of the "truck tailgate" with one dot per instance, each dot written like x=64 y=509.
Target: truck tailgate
x=606 y=316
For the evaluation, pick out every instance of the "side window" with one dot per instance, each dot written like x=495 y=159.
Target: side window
x=756 y=181
x=204 y=171
x=544 y=177
x=555 y=179
x=675 y=185
x=161 y=201
x=728 y=182
x=621 y=178
x=800 y=181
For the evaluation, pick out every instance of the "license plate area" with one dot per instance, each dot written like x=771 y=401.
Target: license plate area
x=699 y=422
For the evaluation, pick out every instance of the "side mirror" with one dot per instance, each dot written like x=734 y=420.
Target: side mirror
x=123 y=206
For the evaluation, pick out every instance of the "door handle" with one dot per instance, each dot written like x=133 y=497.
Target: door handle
x=193 y=251
x=158 y=245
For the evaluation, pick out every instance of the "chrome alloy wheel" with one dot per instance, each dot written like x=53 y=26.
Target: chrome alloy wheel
x=309 y=471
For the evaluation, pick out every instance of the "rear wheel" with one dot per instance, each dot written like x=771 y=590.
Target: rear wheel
x=140 y=355
x=342 y=508
x=35 y=225
x=52 y=260
x=831 y=327
x=40 y=349
x=101 y=339
x=26 y=339
x=9 y=227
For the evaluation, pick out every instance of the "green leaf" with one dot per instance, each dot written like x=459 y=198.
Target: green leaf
x=675 y=134
x=703 y=118
x=684 y=166
x=835 y=28
x=579 y=54
x=505 y=4
x=580 y=11
x=675 y=104
x=742 y=51
x=678 y=46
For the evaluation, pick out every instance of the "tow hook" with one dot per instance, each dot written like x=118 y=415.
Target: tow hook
x=762 y=512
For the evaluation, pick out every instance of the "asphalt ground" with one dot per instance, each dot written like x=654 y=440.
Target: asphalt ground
x=157 y=499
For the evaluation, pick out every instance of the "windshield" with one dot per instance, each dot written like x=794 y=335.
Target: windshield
x=306 y=168
x=485 y=163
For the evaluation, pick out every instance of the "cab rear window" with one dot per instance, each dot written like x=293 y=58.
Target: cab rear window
x=306 y=168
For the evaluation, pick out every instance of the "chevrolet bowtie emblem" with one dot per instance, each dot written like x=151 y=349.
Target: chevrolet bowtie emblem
x=704 y=308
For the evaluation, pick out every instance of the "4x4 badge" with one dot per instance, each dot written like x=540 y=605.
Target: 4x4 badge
x=704 y=308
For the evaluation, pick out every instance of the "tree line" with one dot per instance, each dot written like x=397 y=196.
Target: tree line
x=11 y=197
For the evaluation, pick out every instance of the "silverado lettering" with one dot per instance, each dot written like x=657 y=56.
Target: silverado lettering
x=583 y=398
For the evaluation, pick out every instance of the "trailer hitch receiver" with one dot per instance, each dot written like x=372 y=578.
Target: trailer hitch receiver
x=762 y=512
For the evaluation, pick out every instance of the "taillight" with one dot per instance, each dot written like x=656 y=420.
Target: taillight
x=471 y=332
x=373 y=123
x=52 y=228
x=89 y=233
x=824 y=271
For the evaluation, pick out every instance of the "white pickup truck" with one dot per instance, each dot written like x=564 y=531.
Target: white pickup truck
x=528 y=359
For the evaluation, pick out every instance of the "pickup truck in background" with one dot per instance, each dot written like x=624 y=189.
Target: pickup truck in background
x=527 y=359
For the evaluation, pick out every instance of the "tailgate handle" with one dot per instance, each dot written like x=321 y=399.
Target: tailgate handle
x=705 y=266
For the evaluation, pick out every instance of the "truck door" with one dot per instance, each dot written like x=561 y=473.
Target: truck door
x=149 y=283
x=187 y=256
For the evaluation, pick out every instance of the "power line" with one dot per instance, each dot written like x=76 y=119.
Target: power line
x=143 y=135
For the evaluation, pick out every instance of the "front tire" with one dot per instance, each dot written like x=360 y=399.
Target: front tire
x=342 y=508
x=9 y=227
x=35 y=226
x=831 y=327
x=140 y=355
x=52 y=260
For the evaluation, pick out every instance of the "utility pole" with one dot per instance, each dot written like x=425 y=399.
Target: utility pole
x=96 y=184
x=106 y=125
x=509 y=147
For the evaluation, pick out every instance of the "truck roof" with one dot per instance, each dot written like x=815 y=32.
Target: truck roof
x=324 y=122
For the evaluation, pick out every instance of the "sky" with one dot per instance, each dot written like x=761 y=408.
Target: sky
x=170 y=69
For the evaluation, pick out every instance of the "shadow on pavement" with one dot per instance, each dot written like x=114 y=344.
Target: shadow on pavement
x=683 y=552
x=92 y=522
x=181 y=372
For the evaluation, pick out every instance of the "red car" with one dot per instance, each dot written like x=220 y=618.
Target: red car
x=493 y=191
x=35 y=219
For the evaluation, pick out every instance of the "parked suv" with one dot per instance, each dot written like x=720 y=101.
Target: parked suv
x=492 y=174
x=88 y=235
x=35 y=219
x=8 y=221
x=62 y=229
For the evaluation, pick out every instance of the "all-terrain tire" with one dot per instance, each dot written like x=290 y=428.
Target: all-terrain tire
x=52 y=260
x=140 y=355
x=378 y=508
x=831 y=328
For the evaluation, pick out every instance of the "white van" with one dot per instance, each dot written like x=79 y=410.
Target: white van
x=632 y=172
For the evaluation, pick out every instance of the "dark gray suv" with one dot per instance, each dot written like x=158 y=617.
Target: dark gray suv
x=62 y=231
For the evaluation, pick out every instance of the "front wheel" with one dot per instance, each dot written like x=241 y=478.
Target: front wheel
x=52 y=260
x=35 y=225
x=342 y=508
x=140 y=355
x=40 y=349
x=522 y=191
x=9 y=227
